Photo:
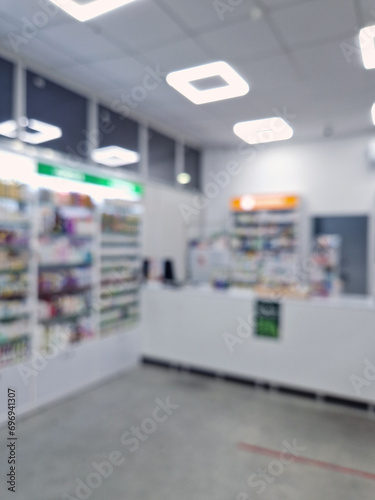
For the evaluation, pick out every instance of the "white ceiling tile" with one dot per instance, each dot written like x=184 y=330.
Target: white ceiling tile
x=328 y=62
x=279 y=4
x=142 y=25
x=124 y=73
x=193 y=16
x=243 y=41
x=33 y=15
x=156 y=95
x=178 y=55
x=367 y=8
x=6 y=28
x=273 y=72
x=82 y=74
x=37 y=52
x=315 y=20
x=80 y=42
x=198 y=15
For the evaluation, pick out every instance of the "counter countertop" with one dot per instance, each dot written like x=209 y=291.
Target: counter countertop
x=343 y=301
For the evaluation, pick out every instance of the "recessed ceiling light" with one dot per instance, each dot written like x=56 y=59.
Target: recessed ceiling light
x=366 y=41
x=8 y=129
x=182 y=81
x=86 y=11
x=114 y=156
x=373 y=113
x=41 y=132
x=183 y=178
x=265 y=130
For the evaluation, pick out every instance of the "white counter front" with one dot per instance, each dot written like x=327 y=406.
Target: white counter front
x=43 y=380
x=326 y=346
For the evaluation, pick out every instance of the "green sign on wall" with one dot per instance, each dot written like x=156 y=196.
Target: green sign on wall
x=267 y=319
x=131 y=189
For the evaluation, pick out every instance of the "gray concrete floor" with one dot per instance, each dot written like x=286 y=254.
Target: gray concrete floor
x=194 y=453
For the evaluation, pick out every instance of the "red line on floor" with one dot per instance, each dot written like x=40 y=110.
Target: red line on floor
x=307 y=461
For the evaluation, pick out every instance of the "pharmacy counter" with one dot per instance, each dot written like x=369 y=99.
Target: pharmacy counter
x=326 y=346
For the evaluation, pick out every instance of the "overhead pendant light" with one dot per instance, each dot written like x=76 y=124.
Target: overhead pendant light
x=89 y=10
x=367 y=44
x=183 y=178
x=183 y=81
x=264 y=130
x=114 y=156
x=37 y=132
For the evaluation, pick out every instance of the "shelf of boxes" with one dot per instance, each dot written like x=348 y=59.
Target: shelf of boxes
x=120 y=267
x=265 y=249
x=15 y=311
x=325 y=266
x=67 y=230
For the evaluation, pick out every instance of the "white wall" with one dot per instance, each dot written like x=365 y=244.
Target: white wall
x=166 y=232
x=333 y=177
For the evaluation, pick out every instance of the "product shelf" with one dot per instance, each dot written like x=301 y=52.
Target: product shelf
x=120 y=253
x=69 y=318
x=14 y=317
x=66 y=234
x=66 y=291
x=15 y=259
x=265 y=243
x=63 y=266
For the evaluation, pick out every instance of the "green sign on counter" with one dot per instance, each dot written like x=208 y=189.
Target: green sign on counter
x=267 y=319
x=131 y=189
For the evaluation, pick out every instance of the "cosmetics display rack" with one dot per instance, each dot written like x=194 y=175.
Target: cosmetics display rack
x=265 y=249
x=15 y=310
x=120 y=266
x=67 y=228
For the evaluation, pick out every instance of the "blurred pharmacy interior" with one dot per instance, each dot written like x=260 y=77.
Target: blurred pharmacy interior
x=187 y=249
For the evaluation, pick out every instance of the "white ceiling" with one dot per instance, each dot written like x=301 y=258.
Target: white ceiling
x=290 y=52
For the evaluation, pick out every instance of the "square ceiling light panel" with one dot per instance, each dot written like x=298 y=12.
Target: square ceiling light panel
x=227 y=83
x=367 y=44
x=265 y=130
x=114 y=156
x=32 y=131
x=84 y=10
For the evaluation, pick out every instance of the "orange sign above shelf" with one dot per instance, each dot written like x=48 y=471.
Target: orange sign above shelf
x=253 y=202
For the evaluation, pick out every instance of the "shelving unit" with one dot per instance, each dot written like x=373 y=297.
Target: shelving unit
x=15 y=311
x=265 y=243
x=325 y=266
x=120 y=266
x=67 y=231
